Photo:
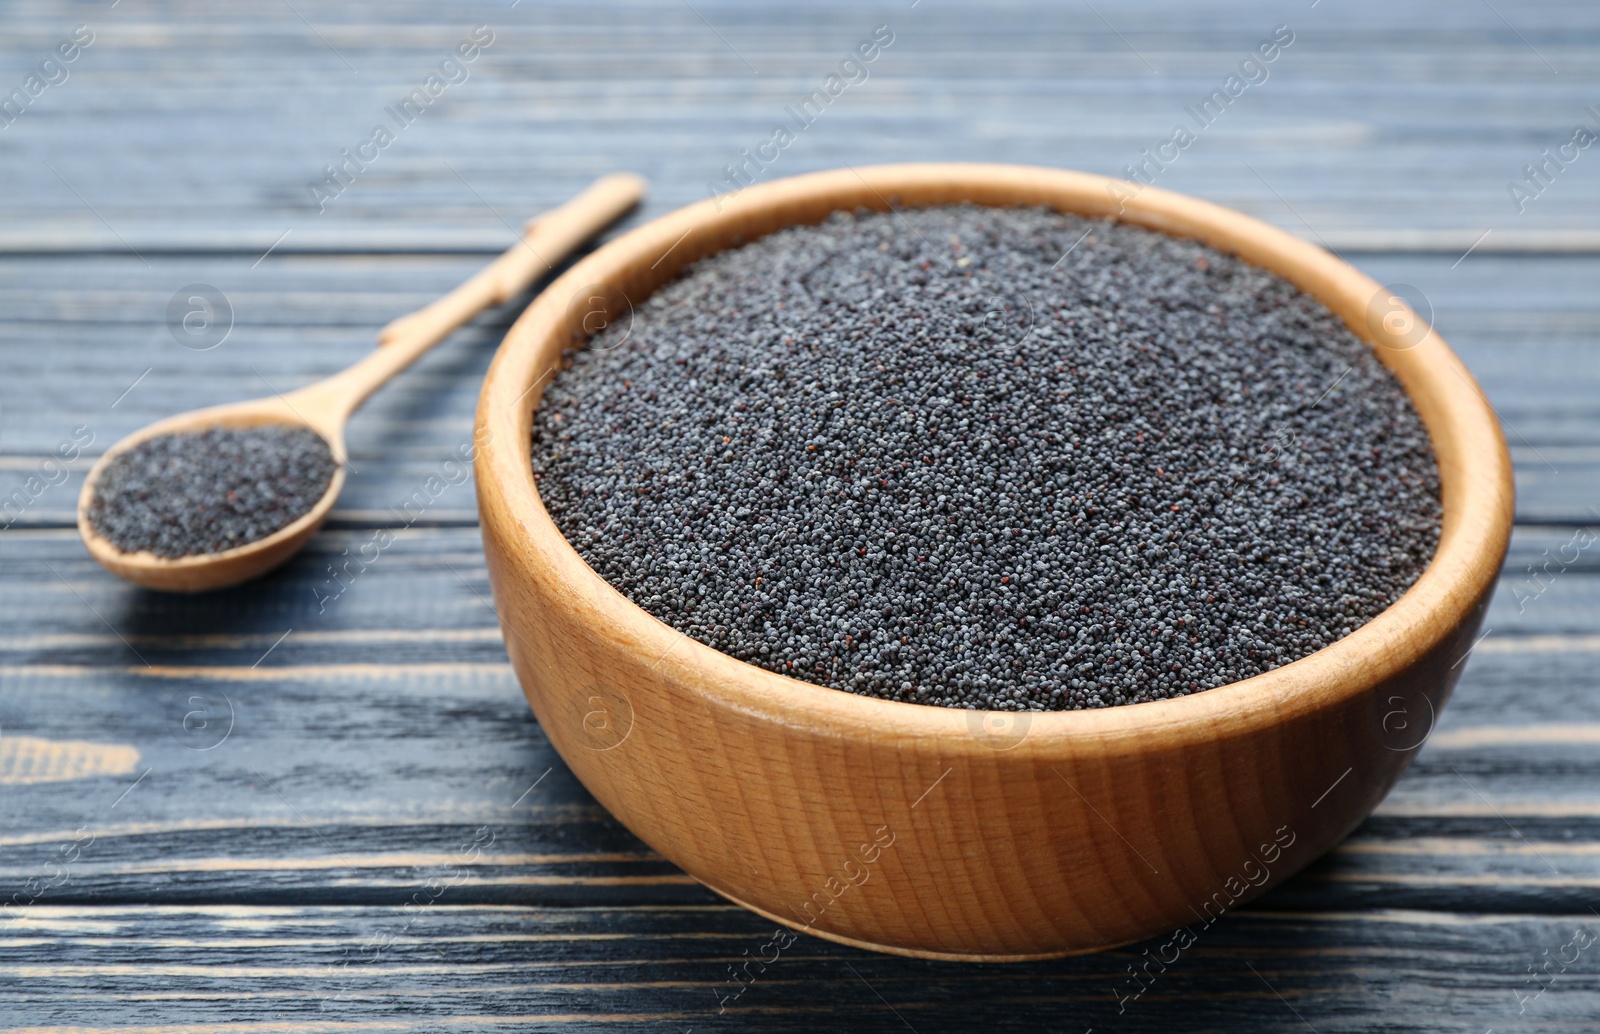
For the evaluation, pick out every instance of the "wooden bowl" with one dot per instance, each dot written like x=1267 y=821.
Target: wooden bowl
x=957 y=834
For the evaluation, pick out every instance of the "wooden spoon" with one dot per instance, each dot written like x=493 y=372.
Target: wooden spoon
x=325 y=406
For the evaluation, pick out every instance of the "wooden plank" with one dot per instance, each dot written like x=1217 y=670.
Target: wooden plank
x=47 y=615
x=1526 y=325
x=1380 y=116
x=443 y=966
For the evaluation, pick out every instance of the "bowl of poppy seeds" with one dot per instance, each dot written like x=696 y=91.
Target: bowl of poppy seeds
x=984 y=562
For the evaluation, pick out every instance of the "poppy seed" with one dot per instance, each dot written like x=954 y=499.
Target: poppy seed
x=1089 y=465
x=208 y=491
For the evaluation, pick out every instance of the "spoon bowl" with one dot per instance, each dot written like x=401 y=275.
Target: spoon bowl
x=326 y=406
x=203 y=571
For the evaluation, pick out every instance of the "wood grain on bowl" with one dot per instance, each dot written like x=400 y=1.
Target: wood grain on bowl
x=944 y=833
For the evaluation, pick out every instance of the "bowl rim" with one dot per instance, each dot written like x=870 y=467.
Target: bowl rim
x=1477 y=494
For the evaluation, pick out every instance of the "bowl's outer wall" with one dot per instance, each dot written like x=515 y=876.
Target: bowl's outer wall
x=982 y=852
x=929 y=831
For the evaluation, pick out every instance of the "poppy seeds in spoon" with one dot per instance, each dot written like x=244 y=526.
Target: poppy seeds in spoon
x=198 y=492
x=1006 y=459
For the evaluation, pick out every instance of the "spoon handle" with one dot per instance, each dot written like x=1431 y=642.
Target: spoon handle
x=546 y=240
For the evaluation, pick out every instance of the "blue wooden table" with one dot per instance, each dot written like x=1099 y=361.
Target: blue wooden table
x=277 y=808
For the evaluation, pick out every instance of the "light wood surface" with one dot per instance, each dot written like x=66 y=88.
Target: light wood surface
x=325 y=406
x=975 y=836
